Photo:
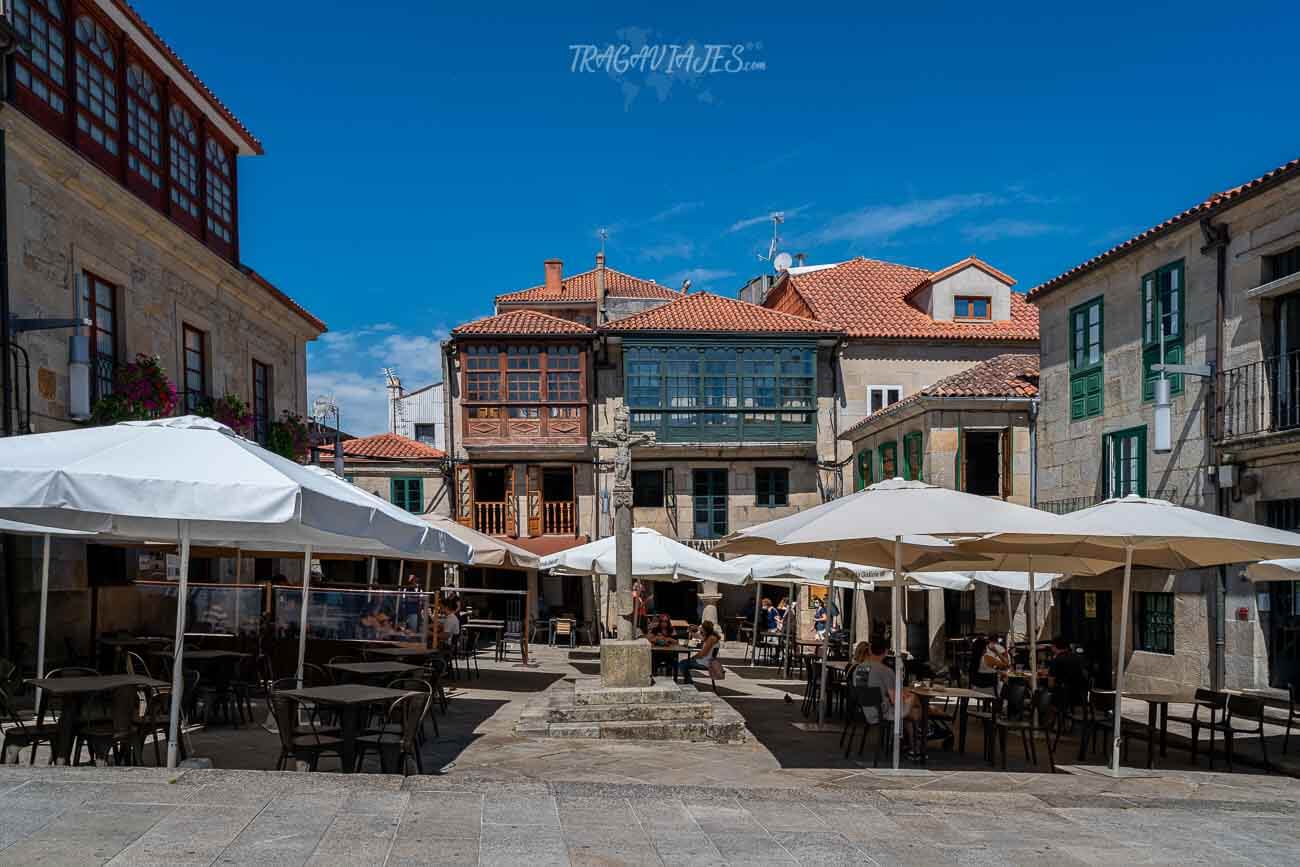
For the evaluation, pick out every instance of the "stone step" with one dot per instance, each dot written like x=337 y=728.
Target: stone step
x=680 y=730
x=588 y=691
x=675 y=710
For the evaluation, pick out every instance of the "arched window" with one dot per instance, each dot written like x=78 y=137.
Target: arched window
x=143 y=126
x=184 y=168
x=219 y=199
x=96 y=84
x=41 y=58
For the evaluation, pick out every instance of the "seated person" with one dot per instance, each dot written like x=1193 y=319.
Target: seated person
x=700 y=661
x=768 y=619
x=661 y=631
x=881 y=675
x=1067 y=674
x=451 y=620
x=782 y=611
x=988 y=659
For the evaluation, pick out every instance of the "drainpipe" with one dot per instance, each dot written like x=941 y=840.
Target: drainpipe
x=1033 y=453
x=1216 y=238
x=6 y=373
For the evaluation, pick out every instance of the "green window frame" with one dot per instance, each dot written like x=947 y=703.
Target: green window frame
x=408 y=493
x=1165 y=286
x=1124 y=462
x=888 y=460
x=1087 y=353
x=1153 y=622
x=912 y=456
x=771 y=486
x=722 y=391
x=864 y=469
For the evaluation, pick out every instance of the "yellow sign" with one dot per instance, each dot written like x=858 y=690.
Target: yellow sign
x=1090 y=605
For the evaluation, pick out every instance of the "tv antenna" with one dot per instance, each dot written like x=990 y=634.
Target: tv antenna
x=603 y=234
x=777 y=218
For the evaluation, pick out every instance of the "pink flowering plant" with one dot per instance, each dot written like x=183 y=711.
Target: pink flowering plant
x=230 y=410
x=141 y=390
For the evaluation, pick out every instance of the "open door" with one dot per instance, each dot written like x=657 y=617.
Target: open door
x=464 y=496
x=1008 y=464
x=512 y=503
x=534 y=492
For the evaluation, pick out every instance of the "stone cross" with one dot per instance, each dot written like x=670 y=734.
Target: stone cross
x=623 y=439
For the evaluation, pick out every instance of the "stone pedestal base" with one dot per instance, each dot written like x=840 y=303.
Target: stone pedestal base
x=625 y=663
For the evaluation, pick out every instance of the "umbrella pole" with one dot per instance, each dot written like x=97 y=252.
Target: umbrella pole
x=1031 y=616
x=898 y=647
x=753 y=647
x=302 y=624
x=178 y=649
x=790 y=630
x=826 y=641
x=1119 y=667
x=853 y=607
x=45 y=601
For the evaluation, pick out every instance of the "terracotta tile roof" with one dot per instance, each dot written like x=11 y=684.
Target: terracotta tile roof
x=282 y=297
x=1214 y=203
x=386 y=445
x=868 y=298
x=704 y=311
x=167 y=51
x=581 y=288
x=1010 y=376
x=521 y=322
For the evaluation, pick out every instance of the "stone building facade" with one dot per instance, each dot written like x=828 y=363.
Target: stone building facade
x=1222 y=279
x=122 y=208
x=972 y=432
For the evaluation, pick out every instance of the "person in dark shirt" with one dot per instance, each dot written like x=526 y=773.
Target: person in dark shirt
x=1067 y=674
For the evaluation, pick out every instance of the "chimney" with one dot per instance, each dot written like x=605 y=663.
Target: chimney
x=600 y=288
x=800 y=259
x=554 y=276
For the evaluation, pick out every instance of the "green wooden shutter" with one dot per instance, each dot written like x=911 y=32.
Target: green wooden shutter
x=888 y=460
x=912 y=458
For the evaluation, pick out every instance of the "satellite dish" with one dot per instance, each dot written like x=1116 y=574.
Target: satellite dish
x=782 y=262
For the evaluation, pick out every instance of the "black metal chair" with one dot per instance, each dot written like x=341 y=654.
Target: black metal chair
x=1034 y=716
x=1292 y=717
x=1244 y=716
x=303 y=744
x=415 y=684
x=397 y=743
x=112 y=740
x=21 y=733
x=862 y=699
x=1205 y=699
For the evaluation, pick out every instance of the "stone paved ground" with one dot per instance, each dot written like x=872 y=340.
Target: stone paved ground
x=149 y=816
x=786 y=796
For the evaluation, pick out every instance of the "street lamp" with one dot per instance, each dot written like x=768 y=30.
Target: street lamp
x=322 y=410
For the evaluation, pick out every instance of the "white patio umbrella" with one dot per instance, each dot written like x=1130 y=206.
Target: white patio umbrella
x=1150 y=533
x=20 y=528
x=875 y=526
x=655 y=557
x=1274 y=570
x=195 y=479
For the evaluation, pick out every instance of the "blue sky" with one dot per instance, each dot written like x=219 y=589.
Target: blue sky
x=419 y=161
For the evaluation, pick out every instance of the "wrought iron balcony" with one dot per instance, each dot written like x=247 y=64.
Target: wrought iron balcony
x=1260 y=398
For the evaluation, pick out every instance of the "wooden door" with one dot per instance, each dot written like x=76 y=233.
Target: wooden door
x=534 y=482
x=465 y=496
x=512 y=503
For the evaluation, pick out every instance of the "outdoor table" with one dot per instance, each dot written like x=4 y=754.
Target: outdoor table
x=351 y=699
x=1157 y=703
x=412 y=653
x=368 y=672
x=964 y=697
x=671 y=651
x=495 y=626
x=72 y=691
x=121 y=644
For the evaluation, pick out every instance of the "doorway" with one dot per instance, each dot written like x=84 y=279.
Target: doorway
x=679 y=599
x=1084 y=617
x=983 y=463
x=558 y=516
x=710 y=504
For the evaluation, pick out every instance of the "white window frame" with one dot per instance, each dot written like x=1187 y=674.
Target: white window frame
x=884 y=389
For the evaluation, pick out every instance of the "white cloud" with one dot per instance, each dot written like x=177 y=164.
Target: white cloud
x=675 y=211
x=698 y=277
x=763 y=218
x=882 y=221
x=668 y=250
x=349 y=366
x=1005 y=228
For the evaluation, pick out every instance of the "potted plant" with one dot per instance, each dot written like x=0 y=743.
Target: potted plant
x=141 y=390
x=288 y=436
x=230 y=410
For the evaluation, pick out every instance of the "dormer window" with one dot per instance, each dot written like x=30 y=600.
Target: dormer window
x=972 y=308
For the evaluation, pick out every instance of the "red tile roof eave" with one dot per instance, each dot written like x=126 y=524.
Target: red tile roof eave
x=1213 y=205
x=158 y=43
x=926 y=402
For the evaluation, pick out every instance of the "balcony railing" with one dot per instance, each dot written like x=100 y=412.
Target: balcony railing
x=1262 y=397
x=558 y=519
x=490 y=518
x=1068 y=505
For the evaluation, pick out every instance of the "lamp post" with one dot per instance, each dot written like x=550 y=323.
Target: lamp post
x=323 y=409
